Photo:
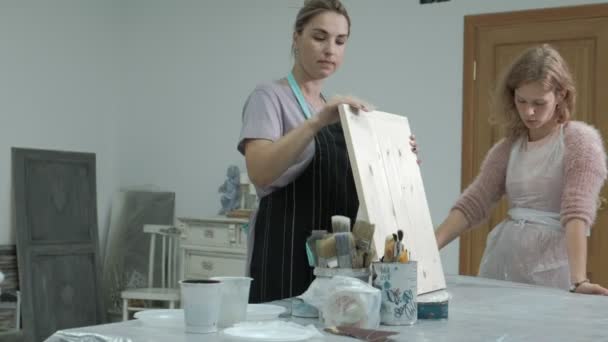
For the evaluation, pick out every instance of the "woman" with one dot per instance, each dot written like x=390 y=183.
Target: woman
x=296 y=155
x=551 y=170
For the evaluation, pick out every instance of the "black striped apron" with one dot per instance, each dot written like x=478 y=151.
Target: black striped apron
x=286 y=217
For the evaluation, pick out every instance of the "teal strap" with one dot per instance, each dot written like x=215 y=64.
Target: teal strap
x=298 y=93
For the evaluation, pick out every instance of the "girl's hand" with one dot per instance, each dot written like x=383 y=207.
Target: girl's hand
x=414 y=146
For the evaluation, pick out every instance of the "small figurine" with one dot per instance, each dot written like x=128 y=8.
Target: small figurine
x=230 y=190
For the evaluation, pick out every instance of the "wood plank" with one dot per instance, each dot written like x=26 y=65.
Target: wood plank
x=390 y=188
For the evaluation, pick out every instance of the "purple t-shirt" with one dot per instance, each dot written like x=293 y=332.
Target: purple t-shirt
x=270 y=112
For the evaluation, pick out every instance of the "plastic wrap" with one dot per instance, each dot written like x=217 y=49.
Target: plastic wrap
x=75 y=336
x=345 y=301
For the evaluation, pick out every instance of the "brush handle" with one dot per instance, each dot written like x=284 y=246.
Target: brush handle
x=343 y=250
x=364 y=234
x=326 y=251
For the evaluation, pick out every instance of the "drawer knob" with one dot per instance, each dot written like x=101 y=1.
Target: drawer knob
x=232 y=233
x=207 y=265
x=209 y=233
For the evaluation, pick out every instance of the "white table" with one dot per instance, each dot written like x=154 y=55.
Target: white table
x=480 y=310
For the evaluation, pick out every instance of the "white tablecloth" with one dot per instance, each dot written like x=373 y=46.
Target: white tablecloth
x=479 y=310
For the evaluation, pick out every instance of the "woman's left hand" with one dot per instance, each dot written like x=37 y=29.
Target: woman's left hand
x=414 y=146
x=592 y=289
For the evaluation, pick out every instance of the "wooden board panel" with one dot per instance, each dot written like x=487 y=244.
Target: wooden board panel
x=57 y=241
x=390 y=188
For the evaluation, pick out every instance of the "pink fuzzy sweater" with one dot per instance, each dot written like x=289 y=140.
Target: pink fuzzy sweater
x=584 y=175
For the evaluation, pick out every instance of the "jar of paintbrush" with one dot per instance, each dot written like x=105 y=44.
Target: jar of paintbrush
x=341 y=252
x=344 y=251
x=396 y=276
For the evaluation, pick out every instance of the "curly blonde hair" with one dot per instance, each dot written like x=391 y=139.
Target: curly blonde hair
x=538 y=64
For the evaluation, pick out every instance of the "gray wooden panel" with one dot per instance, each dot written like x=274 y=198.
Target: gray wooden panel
x=68 y=275
x=59 y=193
x=57 y=240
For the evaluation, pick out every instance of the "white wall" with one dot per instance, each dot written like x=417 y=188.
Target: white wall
x=191 y=67
x=58 y=88
x=193 y=63
x=156 y=87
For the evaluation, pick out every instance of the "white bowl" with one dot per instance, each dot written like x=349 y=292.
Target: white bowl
x=161 y=317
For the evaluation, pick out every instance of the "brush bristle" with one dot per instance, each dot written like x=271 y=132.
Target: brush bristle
x=340 y=224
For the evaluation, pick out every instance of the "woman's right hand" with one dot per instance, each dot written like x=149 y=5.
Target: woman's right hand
x=329 y=114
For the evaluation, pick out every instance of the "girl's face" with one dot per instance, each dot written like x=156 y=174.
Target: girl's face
x=536 y=108
x=320 y=47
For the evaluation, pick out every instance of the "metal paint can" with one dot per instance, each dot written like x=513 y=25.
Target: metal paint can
x=398 y=284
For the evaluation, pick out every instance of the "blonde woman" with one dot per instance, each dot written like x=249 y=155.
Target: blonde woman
x=296 y=154
x=550 y=168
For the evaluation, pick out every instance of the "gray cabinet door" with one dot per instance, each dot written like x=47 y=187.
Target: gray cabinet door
x=57 y=240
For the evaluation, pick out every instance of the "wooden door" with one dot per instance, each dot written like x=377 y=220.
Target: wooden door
x=492 y=41
x=57 y=241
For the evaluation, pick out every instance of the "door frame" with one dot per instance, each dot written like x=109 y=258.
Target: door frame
x=472 y=24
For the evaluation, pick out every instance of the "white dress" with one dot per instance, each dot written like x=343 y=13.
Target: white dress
x=530 y=245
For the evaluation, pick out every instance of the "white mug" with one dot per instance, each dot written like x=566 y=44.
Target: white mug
x=201 y=301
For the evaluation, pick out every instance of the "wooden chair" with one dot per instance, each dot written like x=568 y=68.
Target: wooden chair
x=168 y=290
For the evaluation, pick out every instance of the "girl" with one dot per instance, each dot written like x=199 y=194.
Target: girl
x=551 y=170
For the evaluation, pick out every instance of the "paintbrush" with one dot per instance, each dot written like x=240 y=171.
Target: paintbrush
x=401 y=252
x=359 y=259
x=364 y=235
x=311 y=246
x=370 y=335
x=345 y=247
x=389 y=248
x=398 y=244
x=326 y=251
x=340 y=224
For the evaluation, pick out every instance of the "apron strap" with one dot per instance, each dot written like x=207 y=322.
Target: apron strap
x=549 y=219
x=299 y=96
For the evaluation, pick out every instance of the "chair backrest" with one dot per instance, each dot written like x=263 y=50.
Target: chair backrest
x=169 y=237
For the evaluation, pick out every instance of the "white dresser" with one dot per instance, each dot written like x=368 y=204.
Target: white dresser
x=215 y=246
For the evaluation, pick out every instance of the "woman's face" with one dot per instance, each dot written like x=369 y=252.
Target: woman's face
x=320 y=46
x=536 y=106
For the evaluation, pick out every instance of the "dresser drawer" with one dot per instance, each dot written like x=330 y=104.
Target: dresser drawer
x=215 y=233
x=199 y=264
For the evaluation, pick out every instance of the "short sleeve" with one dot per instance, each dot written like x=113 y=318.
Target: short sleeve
x=262 y=118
